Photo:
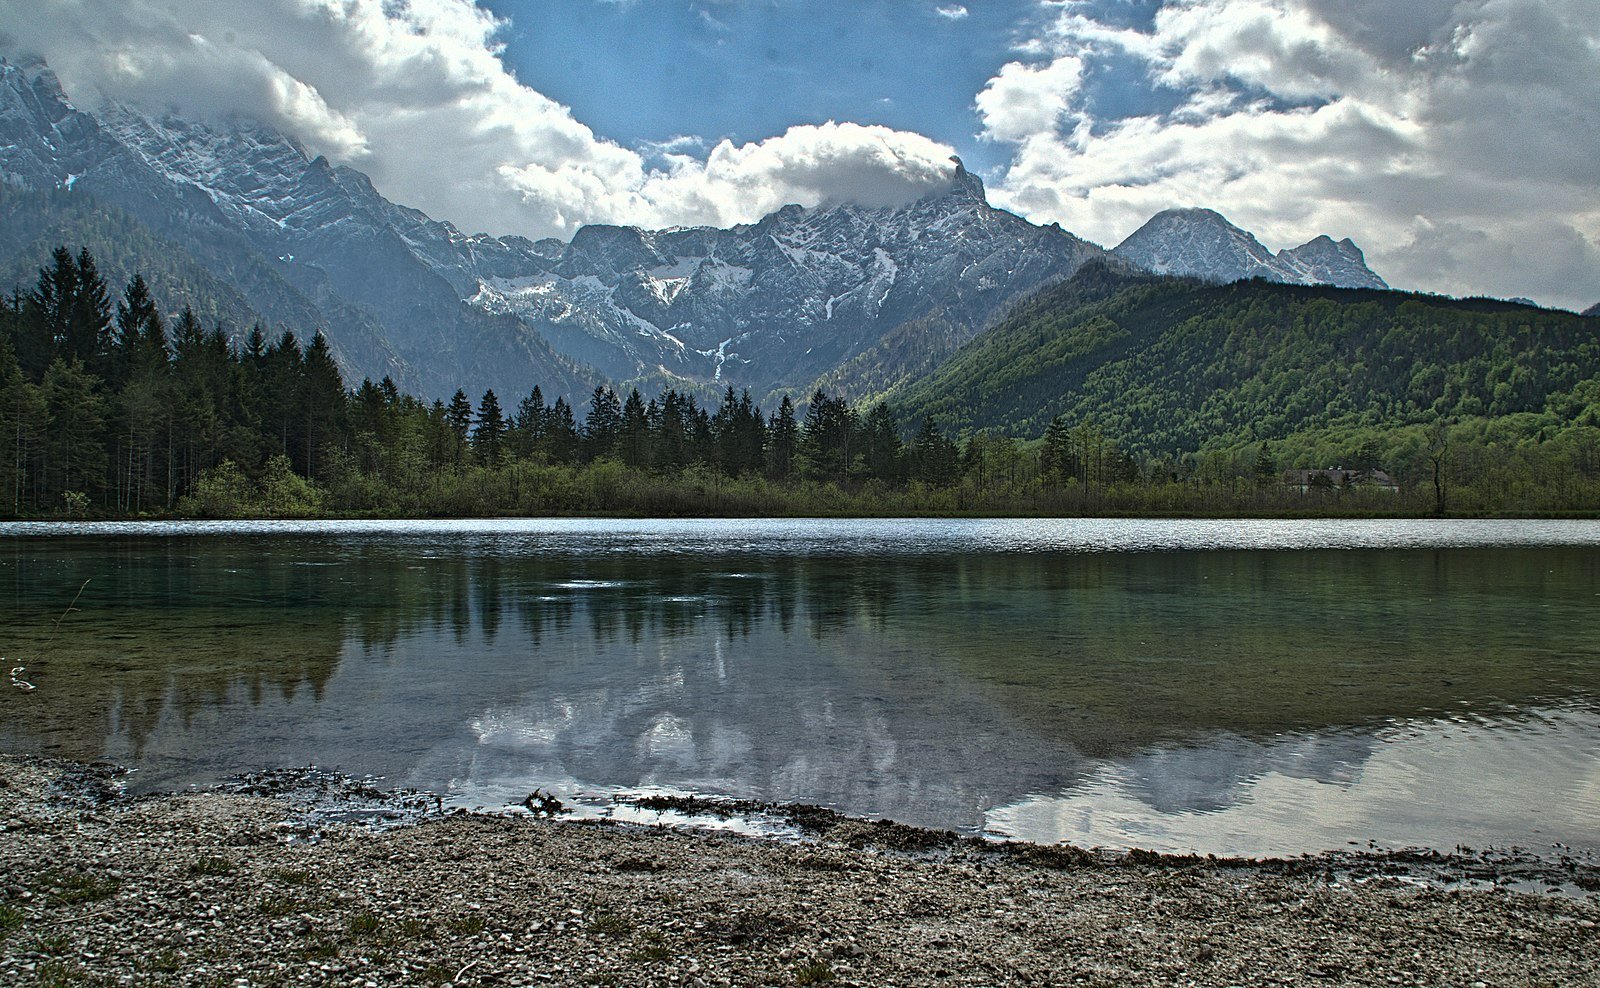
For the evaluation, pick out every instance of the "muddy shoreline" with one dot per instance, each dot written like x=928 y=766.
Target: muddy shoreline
x=297 y=878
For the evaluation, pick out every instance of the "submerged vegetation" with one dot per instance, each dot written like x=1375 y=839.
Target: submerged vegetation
x=106 y=412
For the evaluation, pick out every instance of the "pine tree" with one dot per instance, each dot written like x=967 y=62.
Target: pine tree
x=603 y=425
x=47 y=314
x=76 y=453
x=935 y=459
x=883 y=444
x=634 y=442
x=672 y=434
x=324 y=403
x=1266 y=467
x=1055 y=456
x=564 y=440
x=89 y=336
x=458 y=416
x=527 y=432
x=827 y=439
x=488 y=435
x=783 y=440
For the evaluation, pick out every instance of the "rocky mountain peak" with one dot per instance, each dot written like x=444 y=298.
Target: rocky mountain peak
x=967 y=185
x=1202 y=243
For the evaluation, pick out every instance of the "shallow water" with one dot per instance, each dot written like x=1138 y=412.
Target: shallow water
x=1229 y=687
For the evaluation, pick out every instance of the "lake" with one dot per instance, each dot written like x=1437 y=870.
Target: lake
x=1248 y=687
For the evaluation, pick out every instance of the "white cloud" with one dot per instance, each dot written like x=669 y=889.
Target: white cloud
x=951 y=12
x=1454 y=139
x=415 y=94
x=1024 y=100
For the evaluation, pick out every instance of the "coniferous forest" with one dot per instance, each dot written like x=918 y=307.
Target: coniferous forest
x=110 y=409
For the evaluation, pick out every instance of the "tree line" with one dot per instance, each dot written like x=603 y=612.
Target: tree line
x=107 y=410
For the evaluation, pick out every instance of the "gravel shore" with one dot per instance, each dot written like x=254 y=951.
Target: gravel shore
x=238 y=888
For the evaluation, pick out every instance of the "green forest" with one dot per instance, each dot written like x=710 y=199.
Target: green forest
x=110 y=409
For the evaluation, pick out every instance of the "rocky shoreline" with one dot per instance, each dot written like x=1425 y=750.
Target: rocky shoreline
x=307 y=879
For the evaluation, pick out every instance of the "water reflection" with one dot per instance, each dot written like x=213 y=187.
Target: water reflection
x=1204 y=699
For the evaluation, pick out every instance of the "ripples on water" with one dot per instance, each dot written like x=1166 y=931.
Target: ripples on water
x=810 y=536
x=1109 y=682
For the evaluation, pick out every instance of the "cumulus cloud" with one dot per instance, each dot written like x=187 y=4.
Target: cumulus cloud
x=415 y=94
x=951 y=12
x=1454 y=139
x=1024 y=100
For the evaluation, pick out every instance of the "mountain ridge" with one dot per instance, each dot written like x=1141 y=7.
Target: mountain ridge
x=770 y=304
x=867 y=298
x=1202 y=243
x=1163 y=364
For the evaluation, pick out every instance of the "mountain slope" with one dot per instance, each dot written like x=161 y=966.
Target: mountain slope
x=311 y=246
x=1593 y=310
x=770 y=305
x=32 y=224
x=1201 y=243
x=1168 y=364
x=776 y=303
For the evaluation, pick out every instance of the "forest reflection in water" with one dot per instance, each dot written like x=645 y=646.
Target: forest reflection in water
x=1202 y=698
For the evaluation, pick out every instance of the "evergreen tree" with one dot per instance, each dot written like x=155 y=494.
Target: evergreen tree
x=1266 y=467
x=528 y=425
x=1055 y=455
x=285 y=386
x=783 y=441
x=935 y=461
x=47 y=314
x=827 y=439
x=882 y=436
x=75 y=450
x=89 y=337
x=672 y=432
x=324 y=404
x=459 y=418
x=141 y=337
x=564 y=442
x=634 y=441
x=603 y=425
x=488 y=436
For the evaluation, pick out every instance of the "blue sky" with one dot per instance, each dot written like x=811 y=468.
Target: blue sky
x=1454 y=140
x=651 y=70
x=643 y=72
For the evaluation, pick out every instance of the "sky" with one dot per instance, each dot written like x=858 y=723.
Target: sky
x=1456 y=141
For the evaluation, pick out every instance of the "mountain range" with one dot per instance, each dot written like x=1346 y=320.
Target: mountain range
x=1201 y=243
x=835 y=293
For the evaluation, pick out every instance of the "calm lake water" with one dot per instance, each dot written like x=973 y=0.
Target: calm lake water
x=1229 y=687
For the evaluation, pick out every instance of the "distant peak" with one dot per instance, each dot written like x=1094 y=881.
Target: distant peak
x=1203 y=243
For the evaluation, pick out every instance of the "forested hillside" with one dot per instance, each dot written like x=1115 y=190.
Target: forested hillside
x=1167 y=365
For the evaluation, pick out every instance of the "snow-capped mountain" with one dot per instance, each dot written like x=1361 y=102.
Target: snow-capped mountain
x=779 y=302
x=1201 y=243
x=770 y=305
x=302 y=240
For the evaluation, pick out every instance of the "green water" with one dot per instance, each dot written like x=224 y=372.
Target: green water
x=1151 y=684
